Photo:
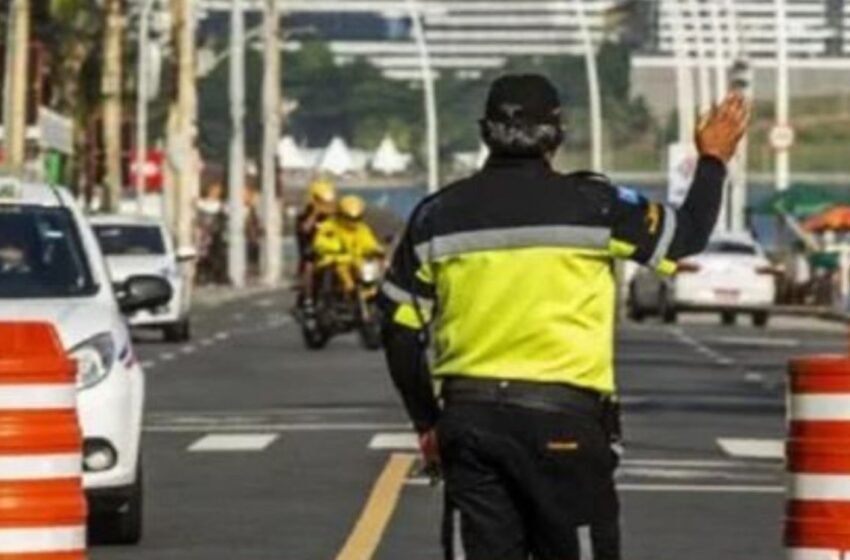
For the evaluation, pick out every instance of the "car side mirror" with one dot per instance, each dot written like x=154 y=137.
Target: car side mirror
x=186 y=254
x=143 y=292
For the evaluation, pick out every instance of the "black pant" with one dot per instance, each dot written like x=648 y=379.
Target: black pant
x=520 y=481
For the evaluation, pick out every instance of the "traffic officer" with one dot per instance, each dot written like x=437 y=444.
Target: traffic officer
x=510 y=271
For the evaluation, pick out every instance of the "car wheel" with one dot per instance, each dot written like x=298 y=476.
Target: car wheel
x=634 y=312
x=761 y=319
x=668 y=311
x=728 y=318
x=178 y=332
x=123 y=526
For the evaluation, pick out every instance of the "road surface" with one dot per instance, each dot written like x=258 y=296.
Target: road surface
x=257 y=449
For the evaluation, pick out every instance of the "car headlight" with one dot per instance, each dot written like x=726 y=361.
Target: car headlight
x=370 y=271
x=94 y=358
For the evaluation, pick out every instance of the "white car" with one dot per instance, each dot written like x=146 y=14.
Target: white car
x=51 y=269
x=136 y=245
x=732 y=276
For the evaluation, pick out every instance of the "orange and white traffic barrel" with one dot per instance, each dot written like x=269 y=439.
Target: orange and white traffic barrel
x=817 y=525
x=42 y=505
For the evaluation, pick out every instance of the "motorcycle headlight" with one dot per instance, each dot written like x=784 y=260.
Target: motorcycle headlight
x=370 y=271
x=94 y=358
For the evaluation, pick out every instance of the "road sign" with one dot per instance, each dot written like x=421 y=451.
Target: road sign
x=57 y=131
x=152 y=169
x=782 y=137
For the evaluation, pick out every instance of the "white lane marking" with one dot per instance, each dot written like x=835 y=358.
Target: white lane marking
x=757 y=341
x=222 y=335
x=274 y=427
x=239 y=316
x=207 y=342
x=817 y=487
x=667 y=473
x=695 y=463
x=817 y=407
x=702 y=488
x=666 y=488
x=701 y=348
x=233 y=442
x=754 y=377
x=167 y=356
x=395 y=442
x=814 y=554
x=54 y=539
x=585 y=543
x=188 y=349
x=752 y=448
x=266 y=302
x=148 y=364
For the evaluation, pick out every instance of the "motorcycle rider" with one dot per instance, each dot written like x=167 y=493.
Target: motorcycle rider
x=320 y=207
x=345 y=241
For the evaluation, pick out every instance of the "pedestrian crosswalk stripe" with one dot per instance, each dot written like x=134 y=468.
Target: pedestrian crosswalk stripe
x=394 y=442
x=233 y=442
x=753 y=448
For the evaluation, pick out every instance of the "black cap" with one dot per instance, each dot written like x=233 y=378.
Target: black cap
x=529 y=98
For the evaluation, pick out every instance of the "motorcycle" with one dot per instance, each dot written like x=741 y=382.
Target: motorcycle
x=336 y=311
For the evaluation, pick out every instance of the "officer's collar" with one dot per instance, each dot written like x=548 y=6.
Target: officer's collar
x=499 y=161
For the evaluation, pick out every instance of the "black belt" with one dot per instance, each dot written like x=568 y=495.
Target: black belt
x=550 y=397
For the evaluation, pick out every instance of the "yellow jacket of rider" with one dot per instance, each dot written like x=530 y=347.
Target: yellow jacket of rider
x=340 y=241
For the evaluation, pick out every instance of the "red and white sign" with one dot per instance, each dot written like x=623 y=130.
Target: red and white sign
x=782 y=137
x=153 y=171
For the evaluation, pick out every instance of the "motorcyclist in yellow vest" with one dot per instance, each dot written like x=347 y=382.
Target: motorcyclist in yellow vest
x=321 y=205
x=344 y=241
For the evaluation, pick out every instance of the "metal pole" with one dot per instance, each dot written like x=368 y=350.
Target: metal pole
x=695 y=8
x=592 y=87
x=684 y=75
x=236 y=176
x=142 y=106
x=720 y=65
x=783 y=161
x=272 y=248
x=430 y=98
x=15 y=91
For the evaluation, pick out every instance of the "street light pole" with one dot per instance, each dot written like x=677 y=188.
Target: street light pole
x=429 y=96
x=272 y=251
x=15 y=91
x=236 y=173
x=783 y=160
x=592 y=87
x=684 y=75
x=142 y=105
x=695 y=7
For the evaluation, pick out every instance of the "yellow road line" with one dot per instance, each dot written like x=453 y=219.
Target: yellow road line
x=366 y=536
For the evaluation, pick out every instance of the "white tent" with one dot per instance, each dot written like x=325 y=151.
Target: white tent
x=388 y=159
x=291 y=156
x=337 y=158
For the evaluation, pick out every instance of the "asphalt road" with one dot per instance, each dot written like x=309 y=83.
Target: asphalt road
x=258 y=449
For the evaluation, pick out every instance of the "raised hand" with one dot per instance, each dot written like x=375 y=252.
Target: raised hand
x=720 y=131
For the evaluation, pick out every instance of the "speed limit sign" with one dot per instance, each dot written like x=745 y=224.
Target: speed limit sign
x=782 y=137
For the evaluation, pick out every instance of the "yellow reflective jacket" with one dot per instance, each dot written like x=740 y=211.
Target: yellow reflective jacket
x=337 y=241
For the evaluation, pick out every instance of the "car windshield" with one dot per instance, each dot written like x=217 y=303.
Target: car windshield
x=130 y=240
x=41 y=255
x=731 y=248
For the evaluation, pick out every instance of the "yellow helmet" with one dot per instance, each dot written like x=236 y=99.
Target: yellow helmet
x=322 y=190
x=352 y=207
